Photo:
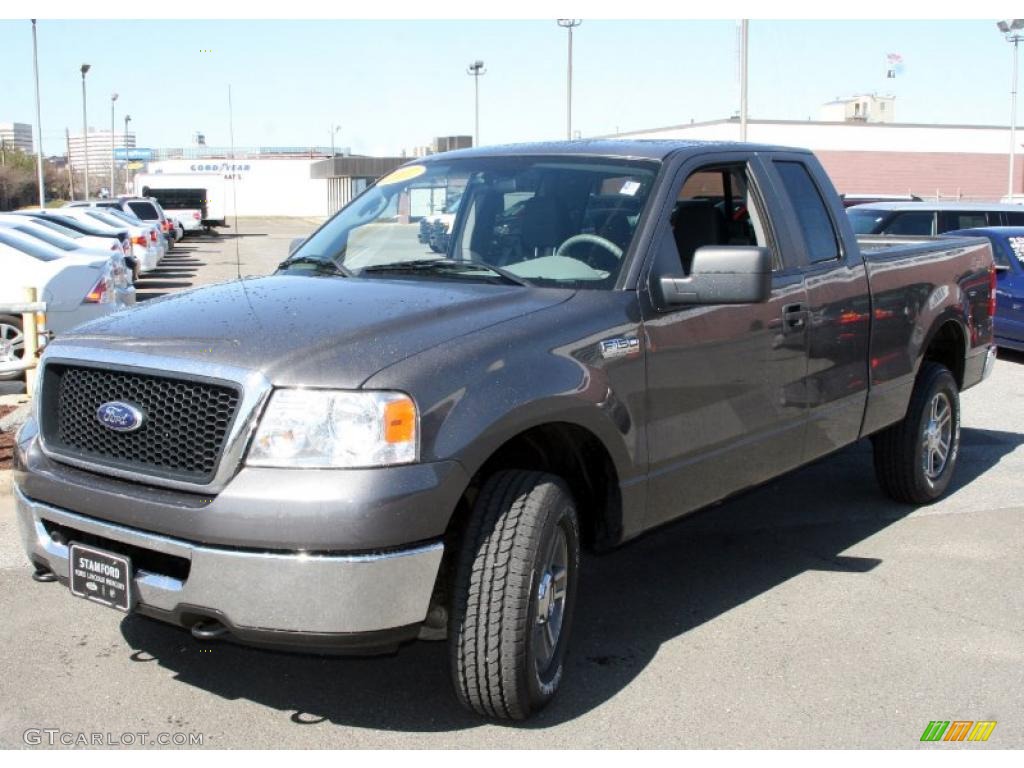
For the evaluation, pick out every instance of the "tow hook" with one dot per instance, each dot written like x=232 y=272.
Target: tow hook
x=208 y=630
x=43 y=575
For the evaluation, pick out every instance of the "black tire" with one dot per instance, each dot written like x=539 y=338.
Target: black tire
x=901 y=451
x=8 y=322
x=497 y=652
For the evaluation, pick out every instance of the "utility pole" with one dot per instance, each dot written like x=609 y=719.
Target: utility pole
x=743 y=79
x=113 y=98
x=39 y=122
x=569 y=24
x=476 y=69
x=85 y=135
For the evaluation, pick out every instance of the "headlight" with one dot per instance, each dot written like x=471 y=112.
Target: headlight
x=326 y=428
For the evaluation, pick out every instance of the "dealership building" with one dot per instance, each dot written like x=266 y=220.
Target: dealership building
x=283 y=181
x=862 y=156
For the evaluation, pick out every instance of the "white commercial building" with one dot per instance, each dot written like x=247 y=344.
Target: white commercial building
x=257 y=186
x=17 y=136
x=100 y=150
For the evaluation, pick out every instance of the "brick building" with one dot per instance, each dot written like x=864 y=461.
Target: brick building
x=968 y=162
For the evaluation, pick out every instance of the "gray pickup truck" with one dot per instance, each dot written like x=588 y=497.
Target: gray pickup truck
x=378 y=443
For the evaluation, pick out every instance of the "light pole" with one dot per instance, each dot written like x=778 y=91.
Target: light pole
x=113 y=98
x=569 y=24
x=476 y=69
x=85 y=134
x=334 y=130
x=39 y=122
x=743 y=79
x=1011 y=31
x=127 y=119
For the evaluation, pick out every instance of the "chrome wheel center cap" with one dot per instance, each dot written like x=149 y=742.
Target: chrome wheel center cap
x=544 y=602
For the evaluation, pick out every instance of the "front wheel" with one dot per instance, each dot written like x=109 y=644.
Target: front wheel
x=515 y=590
x=915 y=458
x=12 y=345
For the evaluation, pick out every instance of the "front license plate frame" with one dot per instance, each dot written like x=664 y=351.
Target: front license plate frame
x=101 y=576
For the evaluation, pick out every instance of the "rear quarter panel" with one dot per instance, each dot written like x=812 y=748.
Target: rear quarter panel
x=916 y=289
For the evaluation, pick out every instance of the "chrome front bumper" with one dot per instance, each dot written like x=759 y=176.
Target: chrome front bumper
x=249 y=590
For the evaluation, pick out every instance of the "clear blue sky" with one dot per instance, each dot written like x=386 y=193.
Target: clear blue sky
x=398 y=84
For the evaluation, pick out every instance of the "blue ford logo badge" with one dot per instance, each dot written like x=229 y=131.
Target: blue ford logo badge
x=119 y=417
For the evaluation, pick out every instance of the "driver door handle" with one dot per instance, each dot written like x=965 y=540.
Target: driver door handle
x=794 y=318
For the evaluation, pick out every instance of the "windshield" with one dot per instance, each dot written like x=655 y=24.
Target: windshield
x=555 y=221
x=865 y=222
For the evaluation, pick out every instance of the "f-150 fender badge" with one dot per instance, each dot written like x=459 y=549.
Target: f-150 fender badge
x=620 y=346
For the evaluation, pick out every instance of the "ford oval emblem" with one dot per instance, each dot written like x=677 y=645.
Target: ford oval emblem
x=120 y=417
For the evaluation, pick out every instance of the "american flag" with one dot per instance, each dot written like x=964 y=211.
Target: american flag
x=894 y=65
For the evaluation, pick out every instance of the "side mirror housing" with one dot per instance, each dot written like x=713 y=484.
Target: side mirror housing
x=721 y=274
x=294 y=246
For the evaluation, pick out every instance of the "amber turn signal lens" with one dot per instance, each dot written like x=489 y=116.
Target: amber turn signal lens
x=399 y=421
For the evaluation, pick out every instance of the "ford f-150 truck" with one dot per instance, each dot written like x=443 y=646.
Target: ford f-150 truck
x=378 y=443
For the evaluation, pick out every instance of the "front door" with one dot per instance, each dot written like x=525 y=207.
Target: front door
x=726 y=383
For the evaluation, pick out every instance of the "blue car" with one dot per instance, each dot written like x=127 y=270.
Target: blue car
x=1008 y=249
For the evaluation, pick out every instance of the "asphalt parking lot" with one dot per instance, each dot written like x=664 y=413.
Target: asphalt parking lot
x=812 y=612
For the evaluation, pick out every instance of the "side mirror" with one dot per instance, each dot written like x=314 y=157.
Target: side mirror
x=722 y=274
x=294 y=246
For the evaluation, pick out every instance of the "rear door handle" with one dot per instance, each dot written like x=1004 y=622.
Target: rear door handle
x=794 y=318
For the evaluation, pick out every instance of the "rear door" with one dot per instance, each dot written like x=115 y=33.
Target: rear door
x=725 y=383
x=839 y=307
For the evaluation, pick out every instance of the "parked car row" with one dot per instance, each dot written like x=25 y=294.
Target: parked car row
x=83 y=259
x=81 y=274
x=1001 y=223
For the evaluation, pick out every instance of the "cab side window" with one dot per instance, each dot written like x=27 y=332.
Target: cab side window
x=913 y=224
x=812 y=215
x=950 y=220
x=715 y=207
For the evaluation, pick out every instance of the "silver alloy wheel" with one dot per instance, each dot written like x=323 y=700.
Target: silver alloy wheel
x=938 y=436
x=12 y=342
x=550 y=600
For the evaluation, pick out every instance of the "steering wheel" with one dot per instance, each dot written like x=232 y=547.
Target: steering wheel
x=586 y=237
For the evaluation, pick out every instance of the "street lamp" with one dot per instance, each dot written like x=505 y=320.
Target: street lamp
x=113 y=98
x=569 y=24
x=85 y=133
x=476 y=69
x=334 y=130
x=127 y=119
x=1011 y=31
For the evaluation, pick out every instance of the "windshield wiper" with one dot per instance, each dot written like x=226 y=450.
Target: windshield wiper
x=323 y=266
x=443 y=266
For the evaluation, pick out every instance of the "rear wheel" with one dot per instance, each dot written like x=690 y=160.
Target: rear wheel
x=12 y=344
x=915 y=458
x=514 y=595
